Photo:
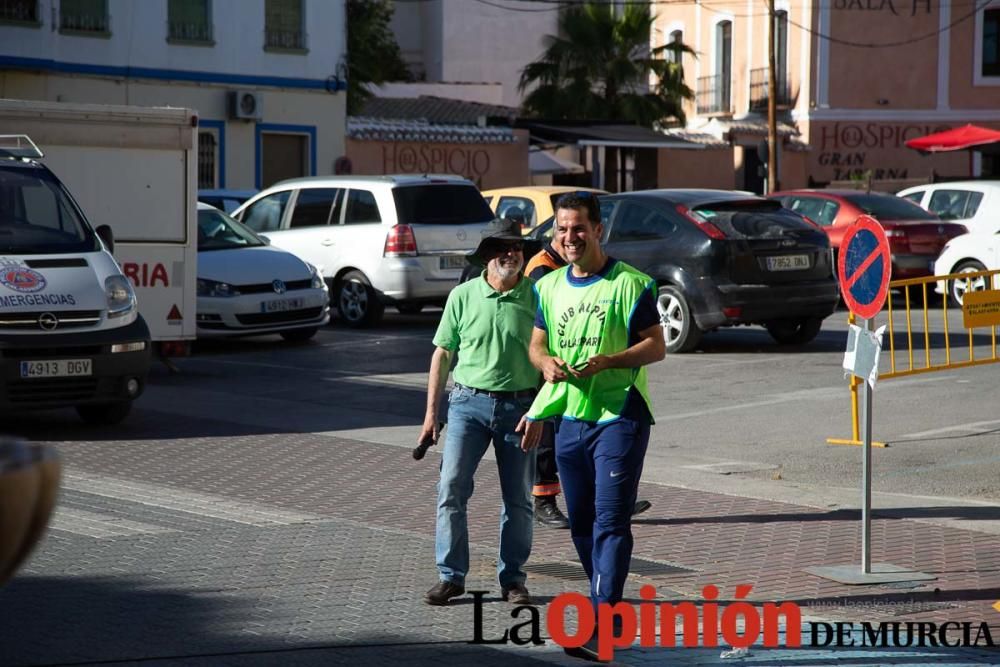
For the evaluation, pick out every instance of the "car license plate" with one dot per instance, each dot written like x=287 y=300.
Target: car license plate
x=453 y=262
x=56 y=368
x=280 y=305
x=788 y=263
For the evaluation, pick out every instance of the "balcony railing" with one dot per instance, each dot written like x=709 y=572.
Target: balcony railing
x=189 y=32
x=284 y=39
x=714 y=94
x=83 y=21
x=20 y=11
x=758 y=90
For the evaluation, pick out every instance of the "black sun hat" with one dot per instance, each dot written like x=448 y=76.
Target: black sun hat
x=497 y=234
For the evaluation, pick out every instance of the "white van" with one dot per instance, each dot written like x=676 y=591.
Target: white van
x=70 y=331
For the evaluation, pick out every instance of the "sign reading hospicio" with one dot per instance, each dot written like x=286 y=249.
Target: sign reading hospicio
x=864 y=267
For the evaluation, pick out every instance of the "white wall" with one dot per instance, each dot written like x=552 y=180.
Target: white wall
x=460 y=41
x=139 y=39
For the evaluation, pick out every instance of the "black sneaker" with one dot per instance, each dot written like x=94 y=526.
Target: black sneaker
x=547 y=513
x=641 y=506
x=586 y=652
x=442 y=592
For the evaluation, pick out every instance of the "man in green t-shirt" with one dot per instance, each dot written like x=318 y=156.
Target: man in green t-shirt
x=597 y=328
x=487 y=323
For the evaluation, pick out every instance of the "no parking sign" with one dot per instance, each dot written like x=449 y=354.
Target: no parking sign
x=864 y=267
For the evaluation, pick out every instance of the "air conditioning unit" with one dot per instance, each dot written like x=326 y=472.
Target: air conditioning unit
x=245 y=105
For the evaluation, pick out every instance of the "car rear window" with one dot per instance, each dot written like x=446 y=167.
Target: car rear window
x=440 y=205
x=889 y=207
x=751 y=219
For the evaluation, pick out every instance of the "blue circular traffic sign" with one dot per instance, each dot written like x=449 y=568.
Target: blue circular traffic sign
x=864 y=267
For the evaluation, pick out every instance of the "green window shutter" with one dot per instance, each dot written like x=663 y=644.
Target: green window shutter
x=189 y=19
x=283 y=24
x=87 y=15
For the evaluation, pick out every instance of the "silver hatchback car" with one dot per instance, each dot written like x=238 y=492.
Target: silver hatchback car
x=377 y=240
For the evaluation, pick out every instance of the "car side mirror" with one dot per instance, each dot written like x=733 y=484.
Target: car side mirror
x=107 y=236
x=266 y=240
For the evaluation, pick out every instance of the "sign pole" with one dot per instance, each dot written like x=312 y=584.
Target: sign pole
x=866 y=473
x=863 y=270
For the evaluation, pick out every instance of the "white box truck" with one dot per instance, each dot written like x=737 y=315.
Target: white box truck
x=77 y=326
x=135 y=170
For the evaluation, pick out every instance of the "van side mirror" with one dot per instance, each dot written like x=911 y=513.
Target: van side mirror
x=105 y=234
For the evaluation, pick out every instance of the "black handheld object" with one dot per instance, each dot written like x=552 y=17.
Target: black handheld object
x=425 y=444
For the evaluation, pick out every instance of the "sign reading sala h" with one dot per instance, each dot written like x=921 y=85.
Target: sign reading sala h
x=864 y=267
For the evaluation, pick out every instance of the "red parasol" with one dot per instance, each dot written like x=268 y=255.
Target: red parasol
x=956 y=139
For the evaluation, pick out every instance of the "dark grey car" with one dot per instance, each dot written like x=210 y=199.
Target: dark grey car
x=722 y=258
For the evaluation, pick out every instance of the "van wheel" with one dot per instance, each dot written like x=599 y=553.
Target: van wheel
x=794 y=332
x=299 y=335
x=357 y=303
x=958 y=288
x=409 y=308
x=104 y=414
x=679 y=329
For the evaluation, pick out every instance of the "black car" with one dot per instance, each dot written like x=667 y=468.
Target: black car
x=721 y=259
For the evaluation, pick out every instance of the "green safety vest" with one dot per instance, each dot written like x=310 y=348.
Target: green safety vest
x=583 y=321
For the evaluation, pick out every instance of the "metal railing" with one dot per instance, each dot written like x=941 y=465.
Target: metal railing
x=285 y=39
x=190 y=32
x=936 y=348
x=759 y=93
x=927 y=340
x=714 y=94
x=19 y=10
x=83 y=21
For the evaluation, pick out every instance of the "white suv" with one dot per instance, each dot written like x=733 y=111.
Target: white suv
x=377 y=240
x=975 y=204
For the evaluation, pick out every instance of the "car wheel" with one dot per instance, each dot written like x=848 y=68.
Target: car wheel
x=958 y=288
x=409 y=308
x=299 y=335
x=357 y=303
x=794 y=332
x=104 y=414
x=679 y=329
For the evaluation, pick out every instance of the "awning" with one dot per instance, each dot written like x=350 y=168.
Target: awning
x=589 y=133
x=957 y=139
x=545 y=162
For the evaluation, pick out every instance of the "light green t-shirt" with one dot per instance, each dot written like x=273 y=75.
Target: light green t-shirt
x=490 y=331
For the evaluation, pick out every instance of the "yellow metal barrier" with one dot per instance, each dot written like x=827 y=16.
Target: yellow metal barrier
x=907 y=360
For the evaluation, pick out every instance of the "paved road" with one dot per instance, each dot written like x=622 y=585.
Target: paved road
x=260 y=508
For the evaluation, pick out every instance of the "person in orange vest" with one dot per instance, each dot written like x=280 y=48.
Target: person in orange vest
x=546 y=488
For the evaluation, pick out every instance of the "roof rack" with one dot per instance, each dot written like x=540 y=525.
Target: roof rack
x=19 y=146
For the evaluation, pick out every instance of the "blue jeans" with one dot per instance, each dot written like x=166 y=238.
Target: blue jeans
x=475 y=420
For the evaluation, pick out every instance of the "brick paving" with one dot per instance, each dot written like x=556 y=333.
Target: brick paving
x=302 y=549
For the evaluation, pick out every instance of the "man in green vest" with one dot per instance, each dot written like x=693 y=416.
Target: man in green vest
x=487 y=323
x=596 y=329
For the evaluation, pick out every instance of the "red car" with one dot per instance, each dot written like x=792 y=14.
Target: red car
x=915 y=235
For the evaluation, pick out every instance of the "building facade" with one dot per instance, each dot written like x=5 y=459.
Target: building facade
x=472 y=44
x=267 y=77
x=856 y=80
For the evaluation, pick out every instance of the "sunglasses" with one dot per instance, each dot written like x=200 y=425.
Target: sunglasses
x=515 y=246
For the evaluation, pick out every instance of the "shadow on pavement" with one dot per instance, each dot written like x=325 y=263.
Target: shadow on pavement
x=970 y=513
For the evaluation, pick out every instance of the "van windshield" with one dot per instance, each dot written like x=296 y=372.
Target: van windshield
x=38 y=217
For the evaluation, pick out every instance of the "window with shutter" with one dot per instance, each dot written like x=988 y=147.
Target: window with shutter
x=283 y=25
x=85 y=16
x=189 y=20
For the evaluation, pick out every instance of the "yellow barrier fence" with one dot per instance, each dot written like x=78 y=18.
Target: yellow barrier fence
x=930 y=348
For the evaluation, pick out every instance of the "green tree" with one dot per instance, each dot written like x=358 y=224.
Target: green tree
x=599 y=67
x=372 y=52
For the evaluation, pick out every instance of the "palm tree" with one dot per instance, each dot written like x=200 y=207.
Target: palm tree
x=599 y=68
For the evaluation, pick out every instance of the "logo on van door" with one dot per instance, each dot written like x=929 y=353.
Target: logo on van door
x=22 y=279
